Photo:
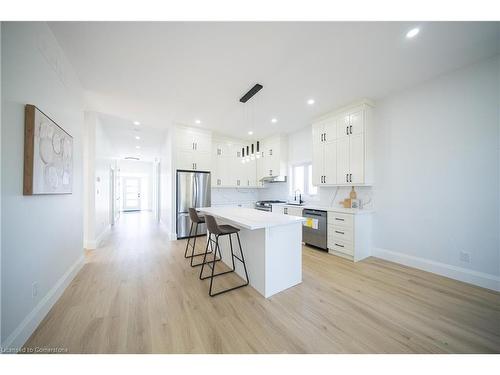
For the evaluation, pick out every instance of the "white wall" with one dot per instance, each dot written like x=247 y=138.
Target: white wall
x=167 y=188
x=437 y=173
x=98 y=162
x=41 y=235
x=144 y=170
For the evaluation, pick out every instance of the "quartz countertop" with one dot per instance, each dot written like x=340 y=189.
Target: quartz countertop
x=250 y=218
x=352 y=211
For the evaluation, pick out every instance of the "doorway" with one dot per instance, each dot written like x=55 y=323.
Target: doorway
x=131 y=194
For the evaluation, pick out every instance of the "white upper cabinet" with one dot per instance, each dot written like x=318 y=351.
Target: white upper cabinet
x=193 y=149
x=325 y=152
x=229 y=171
x=342 y=149
x=274 y=157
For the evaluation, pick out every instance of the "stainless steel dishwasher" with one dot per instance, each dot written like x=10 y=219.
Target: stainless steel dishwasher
x=314 y=229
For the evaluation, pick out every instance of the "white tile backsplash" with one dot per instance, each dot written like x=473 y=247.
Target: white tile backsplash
x=234 y=196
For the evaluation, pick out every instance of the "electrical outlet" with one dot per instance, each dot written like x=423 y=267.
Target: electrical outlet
x=34 y=289
x=465 y=256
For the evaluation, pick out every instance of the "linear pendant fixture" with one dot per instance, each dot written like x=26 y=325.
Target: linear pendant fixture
x=254 y=90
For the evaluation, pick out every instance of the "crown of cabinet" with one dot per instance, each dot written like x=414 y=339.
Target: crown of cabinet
x=342 y=147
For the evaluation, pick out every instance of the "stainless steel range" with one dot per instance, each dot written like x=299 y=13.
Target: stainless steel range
x=266 y=205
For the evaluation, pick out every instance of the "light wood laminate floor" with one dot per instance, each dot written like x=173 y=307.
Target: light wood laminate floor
x=137 y=294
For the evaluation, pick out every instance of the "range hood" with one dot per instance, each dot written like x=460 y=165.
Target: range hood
x=273 y=179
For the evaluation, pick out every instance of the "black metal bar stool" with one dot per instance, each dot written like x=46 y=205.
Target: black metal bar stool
x=217 y=231
x=195 y=221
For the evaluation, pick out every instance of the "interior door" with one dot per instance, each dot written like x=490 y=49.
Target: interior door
x=131 y=194
x=356 y=159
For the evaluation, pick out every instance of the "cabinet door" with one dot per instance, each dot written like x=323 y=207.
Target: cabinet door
x=356 y=158
x=251 y=173
x=202 y=142
x=342 y=160
x=278 y=209
x=318 y=169
x=330 y=163
x=356 y=123
x=343 y=124
x=330 y=130
x=294 y=211
x=184 y=140
x=202 y=161
x=185 y=160
x=317 y=134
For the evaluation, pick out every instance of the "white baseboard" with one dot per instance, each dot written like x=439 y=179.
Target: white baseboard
x=94 y=244
x=171 y=236
x=481 y=279
x=24 y=330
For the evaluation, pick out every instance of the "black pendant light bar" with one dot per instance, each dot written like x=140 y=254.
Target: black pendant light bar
x=254 y=90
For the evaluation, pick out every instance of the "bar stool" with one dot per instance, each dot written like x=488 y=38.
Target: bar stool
x=195 y=221
x=217 y=231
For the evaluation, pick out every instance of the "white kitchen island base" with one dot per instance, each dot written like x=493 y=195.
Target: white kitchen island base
x=272 y=247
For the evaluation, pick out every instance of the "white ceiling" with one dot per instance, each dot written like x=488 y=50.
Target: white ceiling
x=122 y=132
x=165 y=72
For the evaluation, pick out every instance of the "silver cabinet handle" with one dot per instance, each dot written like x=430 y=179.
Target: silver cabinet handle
x=339 y=219
x=350 y=177
x=347 y=130
x=339 y=245
x=350 y=129
x=325 y=137
x=347 y=177
x=339 y=232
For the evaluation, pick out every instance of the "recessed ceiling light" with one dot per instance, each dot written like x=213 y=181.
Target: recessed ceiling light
x=310 y=101
x=137 y=147
x=274 y=120
x=197 y=121
x=250 y=132
x=137 y=123
x=413 y=32
x=137 y=137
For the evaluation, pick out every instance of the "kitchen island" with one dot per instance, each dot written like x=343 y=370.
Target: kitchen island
x=272 y=246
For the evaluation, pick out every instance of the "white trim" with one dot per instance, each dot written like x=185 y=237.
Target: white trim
x=171 y=236
x=481 y=279
x=92 y=245
x=25 y=329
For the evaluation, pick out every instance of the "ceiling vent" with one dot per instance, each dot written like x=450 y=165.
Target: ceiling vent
x=131 y=158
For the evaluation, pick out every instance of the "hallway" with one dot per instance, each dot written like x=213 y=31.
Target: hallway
x=137 y=294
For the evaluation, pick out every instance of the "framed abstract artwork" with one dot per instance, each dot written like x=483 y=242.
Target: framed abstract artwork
x=48 y=155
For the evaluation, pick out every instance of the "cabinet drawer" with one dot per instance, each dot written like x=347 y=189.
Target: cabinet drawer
x=345 y=247
x=338 y=219
x=340 y=233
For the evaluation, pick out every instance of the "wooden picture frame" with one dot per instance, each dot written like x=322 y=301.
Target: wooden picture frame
x=48 y=155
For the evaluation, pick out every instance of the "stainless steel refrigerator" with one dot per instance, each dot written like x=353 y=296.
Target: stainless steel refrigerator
x=193 y=190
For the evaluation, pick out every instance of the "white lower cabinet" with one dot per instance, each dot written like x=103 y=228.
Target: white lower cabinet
x=294 y=211
x=349 y=235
